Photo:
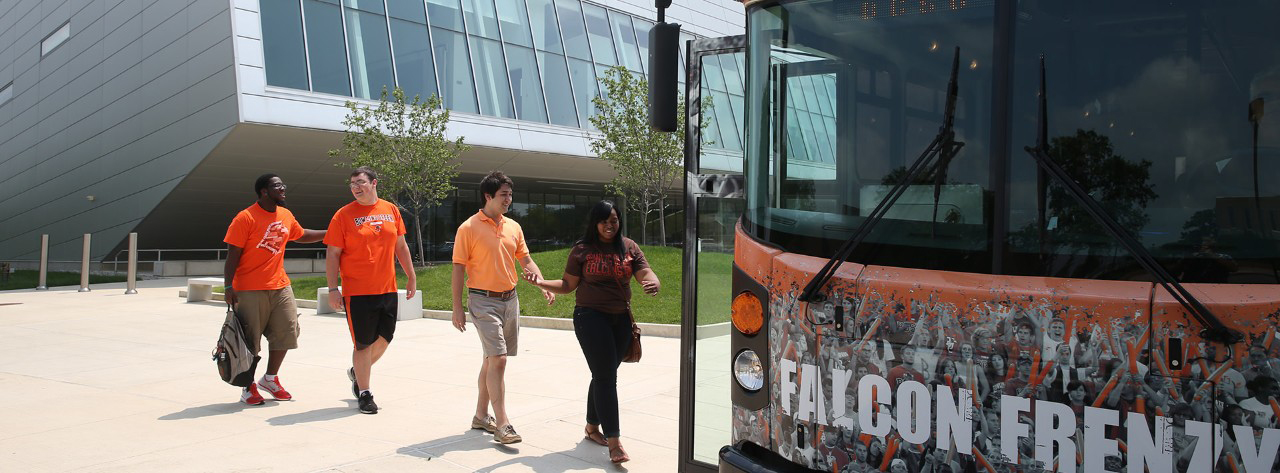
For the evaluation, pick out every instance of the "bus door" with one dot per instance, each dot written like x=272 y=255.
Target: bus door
x=713 y=203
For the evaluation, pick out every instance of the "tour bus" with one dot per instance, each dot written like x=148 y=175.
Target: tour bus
x=995 y=235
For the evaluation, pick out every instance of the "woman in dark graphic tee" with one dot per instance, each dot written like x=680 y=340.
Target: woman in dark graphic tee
x=600 y=267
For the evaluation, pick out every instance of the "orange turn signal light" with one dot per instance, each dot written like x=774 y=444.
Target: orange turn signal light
x=747 y=313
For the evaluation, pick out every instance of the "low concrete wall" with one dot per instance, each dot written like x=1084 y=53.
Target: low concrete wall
x=652 y=330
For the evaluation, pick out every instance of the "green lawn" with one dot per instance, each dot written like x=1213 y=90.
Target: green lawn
x=713 y=295
x=29 y=279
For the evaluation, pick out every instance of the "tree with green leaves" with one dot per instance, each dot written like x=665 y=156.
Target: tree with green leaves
x=649 y=163
x=405 y=142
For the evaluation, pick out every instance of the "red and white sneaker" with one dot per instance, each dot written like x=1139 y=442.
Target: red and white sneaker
x=275 y=389
x=250 y=396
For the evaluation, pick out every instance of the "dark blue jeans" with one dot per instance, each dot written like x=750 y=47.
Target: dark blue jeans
x=604 y=339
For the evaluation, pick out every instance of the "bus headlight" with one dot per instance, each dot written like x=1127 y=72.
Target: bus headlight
x=748 y=371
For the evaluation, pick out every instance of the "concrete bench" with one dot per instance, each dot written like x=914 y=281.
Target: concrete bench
x=201 y=289
x=405 y=309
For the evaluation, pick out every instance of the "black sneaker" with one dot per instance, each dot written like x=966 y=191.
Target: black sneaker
x=367 y=406
x=355 y=387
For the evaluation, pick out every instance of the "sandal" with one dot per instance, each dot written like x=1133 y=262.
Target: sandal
x=594 y=435
x=618 y=455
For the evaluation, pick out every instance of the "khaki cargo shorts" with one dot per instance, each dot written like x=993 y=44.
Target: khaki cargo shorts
x=270 y=313
x=497 y=321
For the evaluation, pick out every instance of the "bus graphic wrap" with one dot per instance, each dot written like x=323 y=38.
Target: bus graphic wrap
x=935 y=368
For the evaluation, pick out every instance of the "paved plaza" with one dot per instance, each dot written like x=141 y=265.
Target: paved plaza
x=103 y=381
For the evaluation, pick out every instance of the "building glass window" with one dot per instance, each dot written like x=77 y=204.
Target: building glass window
x=326 y=52
x=491 y=78
x=542 y=19
x=55 y=39
x=411 y=10
x=284 y=54
x=412 y=47
x=573 y=29
x=598 y=31
x=583 y=76
x=456 y=86
x=371 y=6
x=445 y=14
x=624 y=36
x=482 y=19
x=6 y=93
x=370 y=52
x=555 y=79
x=514 y=22
x=525 y=82
x=642 y=41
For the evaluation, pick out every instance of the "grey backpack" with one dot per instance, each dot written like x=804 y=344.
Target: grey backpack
x=234 y=352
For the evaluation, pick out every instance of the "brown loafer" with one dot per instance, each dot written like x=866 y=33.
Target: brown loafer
x=487 y=423
x=507 y=435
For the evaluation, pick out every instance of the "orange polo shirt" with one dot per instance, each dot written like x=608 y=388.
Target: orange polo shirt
x=367 y=235
x=488 y=250
x=262 y=236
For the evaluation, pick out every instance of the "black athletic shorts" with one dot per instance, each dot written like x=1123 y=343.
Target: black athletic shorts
x=370 y=317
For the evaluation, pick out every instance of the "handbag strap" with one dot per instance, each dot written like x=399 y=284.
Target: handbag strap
x=618 y=282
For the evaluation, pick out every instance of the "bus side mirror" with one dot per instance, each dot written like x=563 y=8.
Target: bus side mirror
x=664 y=55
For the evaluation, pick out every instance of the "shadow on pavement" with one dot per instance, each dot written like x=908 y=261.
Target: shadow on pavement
x=586 y=452
x=328 y=413
x=209 y=410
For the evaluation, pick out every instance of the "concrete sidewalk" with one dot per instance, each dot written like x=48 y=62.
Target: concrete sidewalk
x=104 y=381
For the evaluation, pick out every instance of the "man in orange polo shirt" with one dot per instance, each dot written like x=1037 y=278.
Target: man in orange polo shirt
x=365 y=237
x=255 y=281
x=483 y=252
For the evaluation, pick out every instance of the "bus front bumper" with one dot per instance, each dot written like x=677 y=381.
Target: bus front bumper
x=747 y=457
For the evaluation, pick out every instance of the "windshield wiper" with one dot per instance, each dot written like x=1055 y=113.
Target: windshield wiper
x=944 y=144
x=1214 y=329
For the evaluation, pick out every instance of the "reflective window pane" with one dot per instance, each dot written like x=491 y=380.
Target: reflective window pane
x=412 y=48
x=598 y=31
x=642 y=40
x=491 y=78
x=526 y=84
x=370 y=52
x=514 y=22
x=482 y=19
x=583 y=76
x=282 y=46
x=1170 y=128
x=372 y=6
x=456 y=87
x=326 y=52
x=573 y=29
x=411 y=10
x=555 y=80
x=445 y=14
x=542 y=19
x=624 y=37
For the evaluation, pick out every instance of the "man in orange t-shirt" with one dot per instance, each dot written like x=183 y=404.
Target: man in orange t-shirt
x=483 y=252
x=364 y=238
x=255 y=281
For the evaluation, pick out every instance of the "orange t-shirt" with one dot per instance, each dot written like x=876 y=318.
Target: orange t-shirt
x=262 y=236
x=367 y=235
x=488 y=249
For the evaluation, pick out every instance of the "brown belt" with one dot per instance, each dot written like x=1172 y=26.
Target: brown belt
x=500 y=295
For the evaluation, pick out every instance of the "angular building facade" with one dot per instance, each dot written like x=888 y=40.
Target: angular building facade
x=155 y=116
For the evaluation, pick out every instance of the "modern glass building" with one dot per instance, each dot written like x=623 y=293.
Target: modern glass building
x=118 y=117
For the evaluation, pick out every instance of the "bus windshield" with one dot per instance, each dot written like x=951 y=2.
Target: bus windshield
x=1157 y=109
x=854 y=95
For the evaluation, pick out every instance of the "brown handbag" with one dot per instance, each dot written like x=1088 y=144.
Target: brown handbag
x=633 y=351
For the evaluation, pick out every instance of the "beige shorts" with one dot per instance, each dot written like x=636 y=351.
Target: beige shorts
x=272 y=313
x=497 y=321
